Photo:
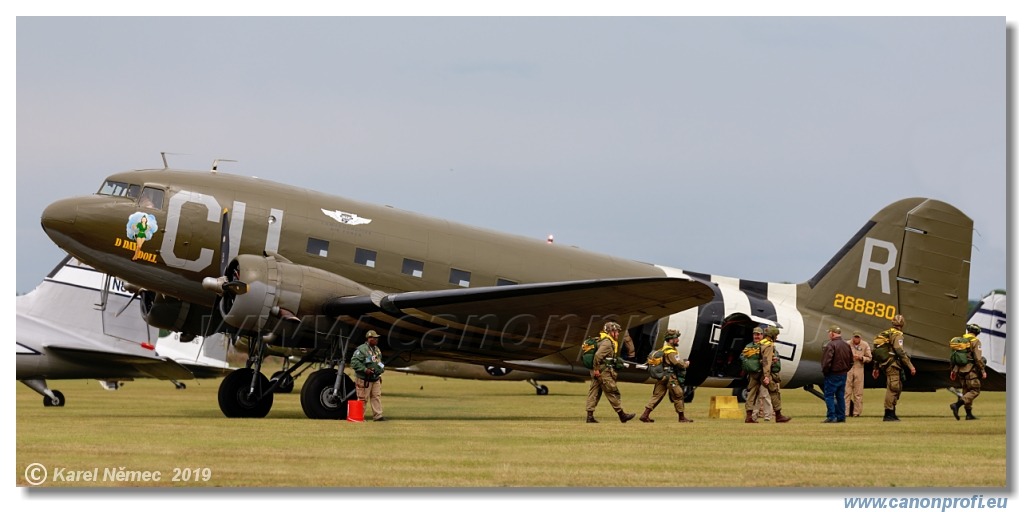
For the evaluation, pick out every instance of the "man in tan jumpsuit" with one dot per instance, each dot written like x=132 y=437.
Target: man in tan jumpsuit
x=893 y=366
x=967 y=375
x=672 y=382
x=855 y=378
x=606 y=358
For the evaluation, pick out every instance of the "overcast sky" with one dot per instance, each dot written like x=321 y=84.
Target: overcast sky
x=677 y=141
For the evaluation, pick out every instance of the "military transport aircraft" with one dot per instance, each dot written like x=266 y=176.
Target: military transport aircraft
x=61 y=332
x=300 y=270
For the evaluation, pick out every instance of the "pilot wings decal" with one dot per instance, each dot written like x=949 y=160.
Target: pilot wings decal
x=345 y=217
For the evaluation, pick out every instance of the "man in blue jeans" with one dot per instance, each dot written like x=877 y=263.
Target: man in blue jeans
x=836 y=361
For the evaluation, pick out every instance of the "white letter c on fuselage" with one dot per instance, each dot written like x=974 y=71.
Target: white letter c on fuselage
x=173 y=224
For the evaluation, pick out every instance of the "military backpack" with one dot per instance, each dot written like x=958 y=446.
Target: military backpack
x=589 y=349
x=882 y=350
x=656 y=364
x=750 y=358
x=960 y=351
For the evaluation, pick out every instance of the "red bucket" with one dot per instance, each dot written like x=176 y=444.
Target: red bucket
x=355 y=411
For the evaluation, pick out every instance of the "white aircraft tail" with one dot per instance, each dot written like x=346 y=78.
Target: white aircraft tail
x=990 y=315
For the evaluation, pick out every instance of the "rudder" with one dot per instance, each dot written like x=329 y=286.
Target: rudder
x=911 y=258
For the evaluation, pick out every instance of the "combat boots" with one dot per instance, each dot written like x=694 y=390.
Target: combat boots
x=683 y=418
x=750 y=418
x=890 y=415
x=590 y=417
x=897 y=418
x=969 y=415
x=779 y=418
x=956 y=408
x=624 y=417
x=646 y=416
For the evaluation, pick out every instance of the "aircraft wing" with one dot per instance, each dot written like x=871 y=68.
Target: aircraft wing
x=525 y=321
x=157 y=367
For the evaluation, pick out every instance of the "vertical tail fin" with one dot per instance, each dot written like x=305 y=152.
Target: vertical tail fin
x=911 y=258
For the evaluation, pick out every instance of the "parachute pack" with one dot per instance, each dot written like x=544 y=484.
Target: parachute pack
x=959 y=351
x=882 y=350
x=656 y=364
x=750 y=358
x=589 y=349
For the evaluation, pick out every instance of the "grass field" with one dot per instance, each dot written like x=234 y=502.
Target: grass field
x=469 y=434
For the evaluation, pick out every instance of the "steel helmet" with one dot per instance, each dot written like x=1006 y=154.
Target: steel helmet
x=974 y=329
x=611 y=326
x=898 y=321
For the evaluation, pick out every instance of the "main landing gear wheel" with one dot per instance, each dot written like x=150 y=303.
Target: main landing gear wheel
x=286 y=385
x=58 y=401
x=236 y=401
x=688 y=392
x=740 y=394
x=318 y=399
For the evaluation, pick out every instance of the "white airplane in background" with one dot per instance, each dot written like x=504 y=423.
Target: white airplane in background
x=72 y=326
x=990 y=315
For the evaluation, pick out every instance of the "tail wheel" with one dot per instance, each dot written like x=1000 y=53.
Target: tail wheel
x=237 y=402
x=318 y=399
x=56 y=401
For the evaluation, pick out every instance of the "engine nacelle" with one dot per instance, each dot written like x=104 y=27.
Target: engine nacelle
x=280 y=290
x=169 y=313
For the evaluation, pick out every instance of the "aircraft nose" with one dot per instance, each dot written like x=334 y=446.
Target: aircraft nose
x=60 y=216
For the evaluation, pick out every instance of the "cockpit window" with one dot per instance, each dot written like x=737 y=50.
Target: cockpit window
x=151 y=198
x=133 y=191
x=115 y=188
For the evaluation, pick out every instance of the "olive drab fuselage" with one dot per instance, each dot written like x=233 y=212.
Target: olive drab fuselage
x=913 y=256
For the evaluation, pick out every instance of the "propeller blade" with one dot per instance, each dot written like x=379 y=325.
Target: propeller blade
x=225 y=240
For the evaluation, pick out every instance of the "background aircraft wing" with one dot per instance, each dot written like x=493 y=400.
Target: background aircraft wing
x=524 y=321
x=157 y=367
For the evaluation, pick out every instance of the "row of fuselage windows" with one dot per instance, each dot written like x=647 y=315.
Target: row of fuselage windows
x=410 y=267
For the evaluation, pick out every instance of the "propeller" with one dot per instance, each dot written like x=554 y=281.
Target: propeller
x=224 y=283
x=225 y=240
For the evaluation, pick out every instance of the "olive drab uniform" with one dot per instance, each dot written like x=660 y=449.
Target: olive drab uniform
x=606 y=360
x=671 y=383
x=893 y=366
x=367 y=367
x=756 y=380
x=969 y=377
